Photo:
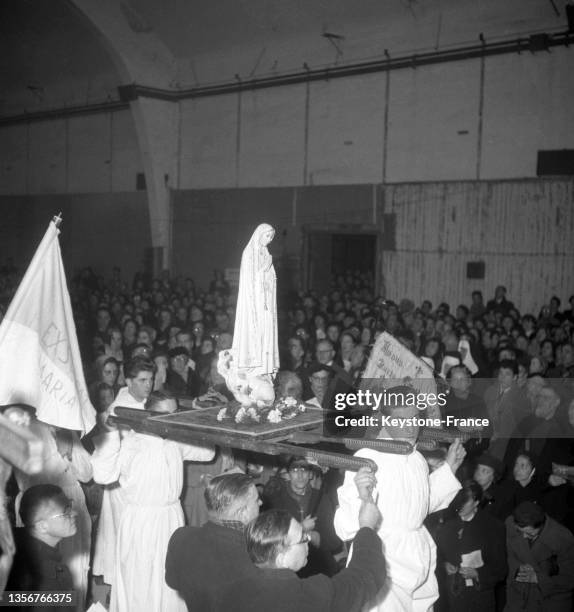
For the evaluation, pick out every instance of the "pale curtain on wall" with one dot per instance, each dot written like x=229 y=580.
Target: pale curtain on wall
x=522 y=230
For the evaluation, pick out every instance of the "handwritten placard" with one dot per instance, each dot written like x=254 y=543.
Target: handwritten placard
x=392 y=364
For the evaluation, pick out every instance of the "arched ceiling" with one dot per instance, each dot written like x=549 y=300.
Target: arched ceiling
x=49 y=56
x=63 y=52
x=203 y=27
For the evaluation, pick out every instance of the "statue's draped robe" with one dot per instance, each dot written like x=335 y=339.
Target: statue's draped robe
x=255 y=347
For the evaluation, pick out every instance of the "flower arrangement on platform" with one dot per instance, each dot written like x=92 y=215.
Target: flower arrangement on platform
x=283 y=409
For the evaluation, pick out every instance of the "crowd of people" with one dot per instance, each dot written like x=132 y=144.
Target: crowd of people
x=174 y=526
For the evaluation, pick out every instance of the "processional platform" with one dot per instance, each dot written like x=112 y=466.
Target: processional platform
x=292 y=437
x=301 y=436
x=205 y=419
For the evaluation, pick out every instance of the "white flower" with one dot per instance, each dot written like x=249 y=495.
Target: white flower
x=222 y=414
x=302 y=408
x=290 y=401
x=240 y=415
x=274 y=416
x=252 y=412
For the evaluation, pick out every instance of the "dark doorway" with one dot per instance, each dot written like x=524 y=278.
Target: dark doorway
x=353 y=252
x=332 y=253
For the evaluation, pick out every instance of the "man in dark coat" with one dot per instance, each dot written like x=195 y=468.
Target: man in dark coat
x=278 y=545
x=499 y=303
x=540 y=562
x=507 y=405
x=48 y=517
x=182 y=379
x=461 y=403
x=539 y=431
x=312 y=508
x=202 y=561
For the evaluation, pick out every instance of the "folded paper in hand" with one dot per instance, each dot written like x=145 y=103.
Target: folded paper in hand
x=472 y=559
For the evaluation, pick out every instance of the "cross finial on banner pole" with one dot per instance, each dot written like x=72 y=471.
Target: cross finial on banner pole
x=57 y=219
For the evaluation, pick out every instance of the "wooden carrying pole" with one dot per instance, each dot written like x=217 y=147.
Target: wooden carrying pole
x=145 y=422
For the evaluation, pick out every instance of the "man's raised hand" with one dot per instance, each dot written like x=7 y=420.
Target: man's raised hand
x=365 y=482
x=455 y=455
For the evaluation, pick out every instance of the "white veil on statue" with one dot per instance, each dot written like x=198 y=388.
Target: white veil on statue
x=255 y=347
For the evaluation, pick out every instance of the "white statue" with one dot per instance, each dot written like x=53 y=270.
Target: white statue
x=253 y=360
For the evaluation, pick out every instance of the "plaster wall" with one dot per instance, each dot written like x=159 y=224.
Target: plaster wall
x=420 y=124
x=522 y=230
x=85 y=154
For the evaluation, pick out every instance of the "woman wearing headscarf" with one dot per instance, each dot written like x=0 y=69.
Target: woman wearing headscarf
x=472 y=547
x=498 y=495
x=107 y=371
x=528 y=485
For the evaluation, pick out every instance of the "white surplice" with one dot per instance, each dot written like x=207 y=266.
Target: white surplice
x=150 y=473
x=406 y=494
x=104 y=561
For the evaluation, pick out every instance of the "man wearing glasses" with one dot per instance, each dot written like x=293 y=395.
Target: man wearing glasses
x=48 y=517
x=278 y=546
x=320 y=376
x=325 y=352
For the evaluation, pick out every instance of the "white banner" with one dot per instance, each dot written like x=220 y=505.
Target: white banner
x=40 y=361
x=392 y=364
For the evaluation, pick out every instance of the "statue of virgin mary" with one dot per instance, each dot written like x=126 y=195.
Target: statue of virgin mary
x=251 y=364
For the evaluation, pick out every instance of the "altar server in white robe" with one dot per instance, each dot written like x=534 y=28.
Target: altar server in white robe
x=139 y=374
x=405 y=494
x=149 y=470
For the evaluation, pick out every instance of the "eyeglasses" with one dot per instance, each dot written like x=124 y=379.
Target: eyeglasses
x=68 y=513
x=299 y=470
